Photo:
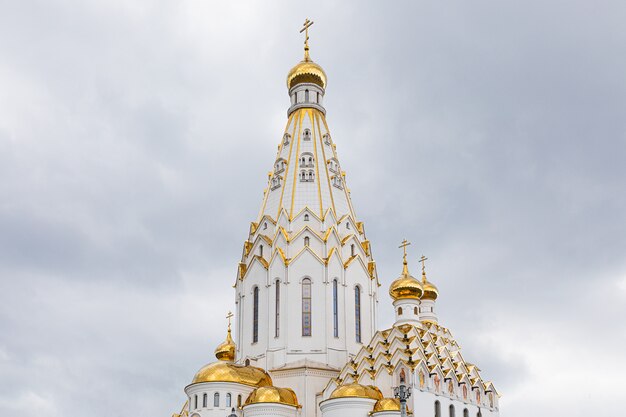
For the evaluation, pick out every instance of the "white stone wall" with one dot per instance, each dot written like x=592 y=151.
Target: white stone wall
x=197 y=391
x=269 y=410
x=347 y=407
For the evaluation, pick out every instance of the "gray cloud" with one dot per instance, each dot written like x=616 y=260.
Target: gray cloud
x=135 y=139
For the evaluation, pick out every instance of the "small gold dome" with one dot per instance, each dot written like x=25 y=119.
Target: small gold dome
x=306 y=71
x=387 y=404
x=430 y=290
x=223 y=371
x=226 y=350
x=273 y=395
x=357 y=390
x=406 y=286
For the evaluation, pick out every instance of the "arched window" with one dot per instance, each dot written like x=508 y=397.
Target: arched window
x=277 y=307
x=352 y=250
x=307 y=134
x=286 y=139
x=195 y=401
x=399 y=311
x=335 y=310
x=261 y=250
x=264 y=225
x=306 y=96
x=239 y=401
x=465 y=412
x=306 y=307
x=216 y=399
x=451 y=410
x=348 y=225
x=306 y=241
x=479 y=414
x=255 y=315
x=437 y=409
x=306 y=217
x=228 y=399
x=415 y=310
x=357 y=313
x=205 y=400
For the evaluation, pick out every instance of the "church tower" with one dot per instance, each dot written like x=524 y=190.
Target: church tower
x=306 y=290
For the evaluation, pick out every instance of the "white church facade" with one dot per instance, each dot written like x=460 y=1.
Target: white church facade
x=306 y=300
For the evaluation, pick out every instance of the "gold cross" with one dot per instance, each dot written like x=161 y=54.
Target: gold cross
x=306 y=25
x=229 y=316
x=404 y=244
x=423 y=260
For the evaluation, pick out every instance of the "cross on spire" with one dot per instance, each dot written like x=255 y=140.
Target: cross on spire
x=305 y=28
x=405 y=267
x=423 y=260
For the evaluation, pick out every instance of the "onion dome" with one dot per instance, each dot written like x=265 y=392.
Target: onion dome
x=387 y=404
x=226 y=350
x=406 y=286
x=223 y=371
x=264 y=395
x=357 y=390
x=430 y=290
x=306 y=71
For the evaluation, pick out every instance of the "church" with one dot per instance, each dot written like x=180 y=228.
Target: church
x=306 y=341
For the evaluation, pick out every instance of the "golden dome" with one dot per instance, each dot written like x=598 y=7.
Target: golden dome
x=406 y=286
x=357 y=390
x=387 y=404
x=430 y=290
x=226 y=350
x=273 y=395
x=306 y=71
x=223 y=371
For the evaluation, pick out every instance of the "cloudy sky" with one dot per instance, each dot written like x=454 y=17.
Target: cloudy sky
x=135 y=140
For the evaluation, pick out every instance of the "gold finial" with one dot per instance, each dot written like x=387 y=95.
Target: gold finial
x=306 y=25
x=405 y=267
x=423 y=260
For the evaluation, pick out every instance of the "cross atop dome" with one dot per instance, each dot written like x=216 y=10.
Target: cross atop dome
x=305 y=28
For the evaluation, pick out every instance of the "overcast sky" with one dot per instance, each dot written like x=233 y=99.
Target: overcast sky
x=135 y=140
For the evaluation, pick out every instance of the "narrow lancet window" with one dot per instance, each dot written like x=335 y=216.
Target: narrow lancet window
x=357 y=313
x=335 y=310
x=277 y=307
x=216 y=399
x=255 y=315
x=306 y=307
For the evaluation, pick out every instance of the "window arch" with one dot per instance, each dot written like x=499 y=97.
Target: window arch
x=261 y=251
x=437 y=409
x=306 y=96
x=415 y=310
x=357 y=313
x=352 y=250
x=306 y=307
x=195 y=402
x=335 y=309
x=399 y=311
x=451 y=410
x=306 y=217
x=479 y=414
x=277 y=310
x=465 y=412
x=306 y=159
x=306 y=241
x=255 y=315
x=307 y=134
x=216 y=399
x=228 y=399
x=286 y=139
x=205 y=400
